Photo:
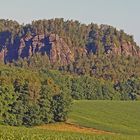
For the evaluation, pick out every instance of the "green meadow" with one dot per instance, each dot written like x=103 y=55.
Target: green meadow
x=114 y=116
x=120 y=118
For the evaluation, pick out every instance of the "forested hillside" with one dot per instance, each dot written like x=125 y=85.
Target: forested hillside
x=46 y=64
x=98 y=50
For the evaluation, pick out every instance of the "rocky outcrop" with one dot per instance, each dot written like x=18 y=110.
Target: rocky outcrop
x=63 y=41
x=51 y=45
x=125 y=48
x=57 y=49
x=60 y=51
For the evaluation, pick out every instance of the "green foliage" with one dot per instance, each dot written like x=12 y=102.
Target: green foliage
x=7 y=98
x=45 y=104
x=31 y=97
x=86 y=87
x=28 y=98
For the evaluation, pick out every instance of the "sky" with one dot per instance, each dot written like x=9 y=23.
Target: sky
x=122 y=14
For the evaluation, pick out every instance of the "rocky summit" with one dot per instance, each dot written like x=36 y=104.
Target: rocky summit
x=62 y=41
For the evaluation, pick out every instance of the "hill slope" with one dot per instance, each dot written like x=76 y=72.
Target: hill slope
x=115 y=116
x=98 y=50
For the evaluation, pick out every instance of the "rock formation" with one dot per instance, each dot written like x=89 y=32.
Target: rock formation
x=57 y=49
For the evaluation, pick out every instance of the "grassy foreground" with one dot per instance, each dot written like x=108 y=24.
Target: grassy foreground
x=21 y=133
x=114 y=116
x=121 y=118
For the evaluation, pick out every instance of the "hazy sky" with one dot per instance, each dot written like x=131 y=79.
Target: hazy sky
x=123 y=14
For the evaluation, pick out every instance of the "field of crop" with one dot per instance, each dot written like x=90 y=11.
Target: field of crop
x=21 y=133
x=114 y=116
x=103 y=120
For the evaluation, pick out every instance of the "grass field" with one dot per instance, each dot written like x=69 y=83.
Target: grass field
x=103 y=120
x=114 y=116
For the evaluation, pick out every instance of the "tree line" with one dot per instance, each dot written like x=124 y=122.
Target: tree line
x=30 y=97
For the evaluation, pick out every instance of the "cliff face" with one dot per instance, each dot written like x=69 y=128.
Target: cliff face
x=62 y=41
x=125 y=48
x=51 y=45
x=57 y=49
